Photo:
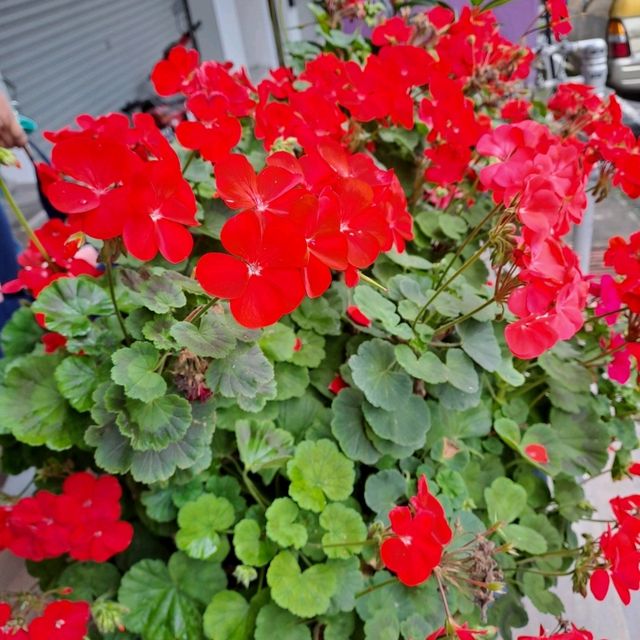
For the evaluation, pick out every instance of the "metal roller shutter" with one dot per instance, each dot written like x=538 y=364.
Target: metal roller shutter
x=66 y=57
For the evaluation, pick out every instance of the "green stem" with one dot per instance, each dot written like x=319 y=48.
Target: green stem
x=253 y=490
x=112 y=294
x=442 y=287
x=23 y=222
x=372 y=282
x=354 y=543
x=443 y=595
x=189 y=160
x=605 y=315
x=476 y=230
x=567 y=553
x=375 y=587
x=203 y=310
x=445 y=327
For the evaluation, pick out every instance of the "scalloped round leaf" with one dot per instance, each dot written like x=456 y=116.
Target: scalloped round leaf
x=242 y=373
x=375 y=306
x=480 y=344
x=261 y=446
x=134 y=369
x=90 y=580
x=20 y=334
x=278 y=341
x=156 y=424
x=311 y=352
x=374 y=370
x=460 y=371
x=199 y=523
x=427 y=367
x=198 y=579
x=158 y=608
x=304 y=593
x=505 y=499
x=226 y=617
x=319 y=471
x=524 y=539
x=318 y=315
x=289 y=627
x=77 y=378
x=68 y=305
x=383 y=489
x=344 y=526
x=406 y=426
x=32 y=408
x=159 y=290
x=348 y=427
x=250 y=545
x=213 y=338
x=292 y=381
x=283 y=526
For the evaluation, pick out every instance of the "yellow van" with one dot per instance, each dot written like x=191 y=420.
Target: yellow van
x=623 y=37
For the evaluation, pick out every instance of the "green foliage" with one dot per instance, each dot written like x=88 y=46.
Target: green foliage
x=283 y=526
x=345 y=529
x=134 y=369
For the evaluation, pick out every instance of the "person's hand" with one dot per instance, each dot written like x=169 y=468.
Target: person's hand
x=11 y=133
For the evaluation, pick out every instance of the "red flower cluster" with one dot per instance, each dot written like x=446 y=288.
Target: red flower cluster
x=620 y=552
x=420 y=533
x=544 y=179
x=572 y=634
x=68 y=258
x=84 y=521
x=61 y=620
x=116 y=180
x=298 y=220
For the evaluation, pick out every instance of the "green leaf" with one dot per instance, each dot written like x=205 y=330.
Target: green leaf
x=226 y=617
x=374 y=371
x=406 y=426
x=20 y=334
x=283 y=526
x=319 y=471
x=159 y=422
x=213 y=338
x=348 y=427
x=317 y=314
x=90 y=580
x=77 y=378
x=31 y=406
x=375 y=306
x=159 y=505
x=159 y=290
x=383 y=625
x=339 y=627
x=350 y=582
x=409 y=261
x=311 y=352
x=383 y=489
x=508 y=430
x=291 y=380
x=428 y=367
x=344 y=526
x=289 y=627
x=524 y=538
x=244 y=372
x=158 y=331
x=197 y=579
x=583 y=441
x=505 y=500
x=200 y=522
x=69 y=303
x=452 y=226
x=261 y=446
x=278 y=341
x=134 y=370
x=536 y=589
x=305 y=594
x=571 y=375
x=158 y=609
x=249 y=544
x=461 y=372
x=480 y=344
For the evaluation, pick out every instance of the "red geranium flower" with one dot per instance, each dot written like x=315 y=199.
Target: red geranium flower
x=53 y=341
x=461 y=632
x=62 y=620
x=560 y=23
x=392 y=31
x=177 y=73
x=263 y=275
x=573 y=634
x=214 y=133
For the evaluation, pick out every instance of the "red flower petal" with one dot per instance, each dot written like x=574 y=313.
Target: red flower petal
x=537 y=452
x=174 y=241
x=599 y=584
x=222 y=275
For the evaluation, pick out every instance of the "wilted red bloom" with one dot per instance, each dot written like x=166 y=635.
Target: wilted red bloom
x=357 y=316
x=176 y=74
x=8 y=629
x=62 y=620
x=420 y=534
x=297 y=345
x=337 y=384
x=461 y=632
x=537 y=452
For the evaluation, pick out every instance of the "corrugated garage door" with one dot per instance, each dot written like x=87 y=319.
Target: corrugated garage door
x=82 y=56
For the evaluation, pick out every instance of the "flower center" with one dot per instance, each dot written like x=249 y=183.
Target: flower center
x=255 y=268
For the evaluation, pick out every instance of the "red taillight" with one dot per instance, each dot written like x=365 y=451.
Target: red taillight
x=618 y=40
